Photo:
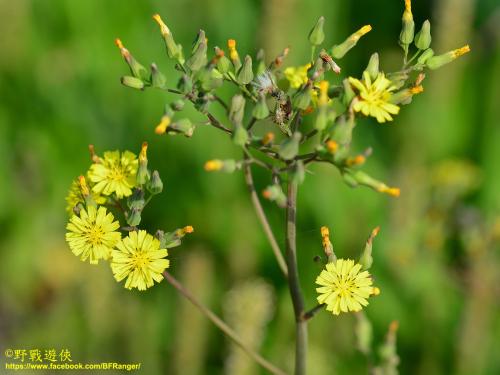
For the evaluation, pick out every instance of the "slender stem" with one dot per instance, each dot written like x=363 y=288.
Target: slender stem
x=228 y=331
x=293 y=279
x=221 y=102
x=263 y=218
x=216 y=123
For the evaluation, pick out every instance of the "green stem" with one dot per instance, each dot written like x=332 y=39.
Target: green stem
x=293 y=279
x=228 y=331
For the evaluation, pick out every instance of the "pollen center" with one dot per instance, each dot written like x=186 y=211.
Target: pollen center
x=95 y=235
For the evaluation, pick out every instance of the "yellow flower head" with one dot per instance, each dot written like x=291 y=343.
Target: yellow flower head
x=139 y=259
x=115 y=173
x=92 y=234
x=343 y=287
x=75 y=196
x=297 y=76
x=373 y=97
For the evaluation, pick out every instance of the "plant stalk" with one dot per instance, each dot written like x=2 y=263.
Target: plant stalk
x=228 y=331
x=293 y=279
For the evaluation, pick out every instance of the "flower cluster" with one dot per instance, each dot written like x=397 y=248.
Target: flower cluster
x=119 y=182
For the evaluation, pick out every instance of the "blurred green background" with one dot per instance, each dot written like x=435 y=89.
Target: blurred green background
x=436 y=258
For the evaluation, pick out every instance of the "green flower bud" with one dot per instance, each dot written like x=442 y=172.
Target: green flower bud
x=438 y=61
x=245 y=74
x=134 y=217
x=398 y=79
x=302 y=98
x=237 y=109
x=366 y=259
x=132 y=82
x=373 y=66
x=223 y=63
x=137 y=70
x=408 y=27
x=317 y=35
x=136 y=200
x=426 y=55
x=423 y=38
x=155 y=185
x=143 y=172
x=240 y=135
x=184 y=126
x=321 y=119
x=364 y=333
x=338 y=51
x=275 y=193
x=174 y=51
x=198 y=58
x=185 y=84
x=342 y=130
x=355 y=178
x=289 y=148
x=261 y=63
x=260 y=111
x=158 y=80
x=177 y=105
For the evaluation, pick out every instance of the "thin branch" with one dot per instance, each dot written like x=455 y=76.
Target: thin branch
x=251 y=123
x=263 y=219
x=228 y=331
x=293 y=279
x=219 y=100
x=217 y=124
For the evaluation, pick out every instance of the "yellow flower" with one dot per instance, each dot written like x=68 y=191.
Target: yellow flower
x=297 y=76
x=75 y=197
x=373 y=98
x=92 y=234
x=139 y=259
x=115 y=173
x=343 y=287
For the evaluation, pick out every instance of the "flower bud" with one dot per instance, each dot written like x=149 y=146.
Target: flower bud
x=327 y=245
x=137 y=70
x=185 y=84
x=240 y=135
x=184 y=126
x=261 y=63
x=174 y=51
x=260 y=111
x=143 y=172
x=155 y=185
x=342 y=131
x=364 y=333
x=158 y=80
x=275 y=193
x=317 y=35
x=161 y=128
x=373 y=66
x=349 y=93
x=426 y=55
x=332 y=146
x=134 y=217
x=245 y=74
x=438 y=61
x=339 y=51
x=198 y=58
x=423 y=38
x=177 y=105
x=268 y=139
x=290 y=147
x=136 y=200
x=361 y=178
x=366 y=259
x=213 y=165
x=227 y=166
x=132 y=82
x=404 y=96
x=408 y=27
x=223 y=63
x=233 y=54
x=237 y=109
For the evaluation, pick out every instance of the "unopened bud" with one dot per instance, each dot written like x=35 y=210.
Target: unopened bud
x=223 y=63
x=240 y=135
x=158 y=80
x=233 y=54
x=83 y=186
x=161 y=128
x=132 y=82
x=426 y=55
x=408 y=27
x=137 y=70
x=290 y=147
x=373 y=66
x=174 y=51
x=245 y=74
x=198 y=58
x=134 y=217
x=302 y=98
x=366 y=259
x=317 y=35
x=260 y=111
x=274 y=193
x=136 y=200
x=423 y=38
x=438 y=61
x=339 y=51
x=405 y=95
x=213 y=165
x=155 y=185
x=184 y=126
x=237 y=109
